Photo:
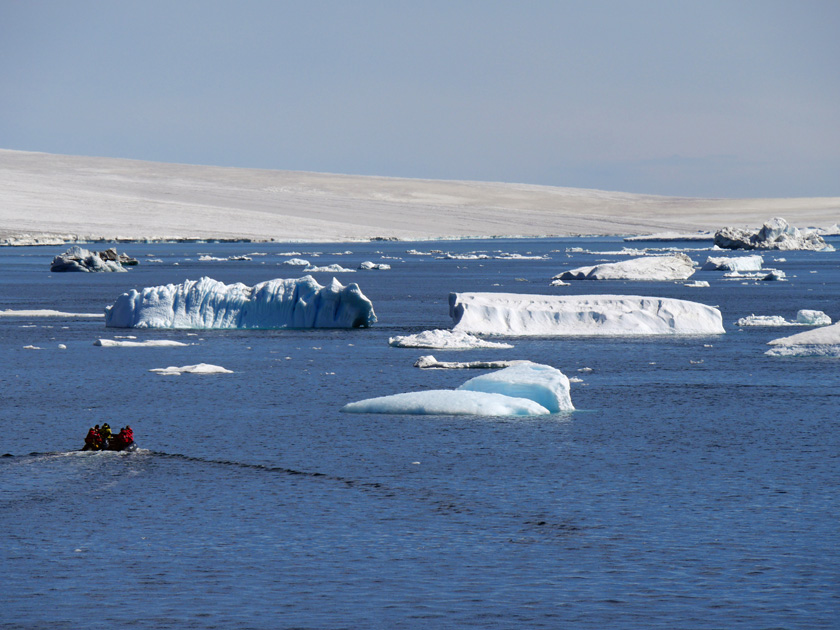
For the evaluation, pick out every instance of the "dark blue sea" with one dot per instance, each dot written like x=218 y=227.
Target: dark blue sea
x=696 y=486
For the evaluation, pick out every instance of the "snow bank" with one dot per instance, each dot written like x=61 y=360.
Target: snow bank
x=774 y=234
x=741 y=263
x=201 y=368
x=207 y=303
x=448 y=402
x=543 y=384
x=444 y=340
x=676 y=267
x=804 y=317
x=79 y=259
x=823 y=341
x=429 y=362
x=551 y=315
x=151 y=343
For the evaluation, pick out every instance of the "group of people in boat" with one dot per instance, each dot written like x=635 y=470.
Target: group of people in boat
x=102 y=439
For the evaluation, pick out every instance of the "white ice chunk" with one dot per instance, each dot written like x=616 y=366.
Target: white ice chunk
x=740 y=263
x=296 y=262
x=200 y=368
x=368 y=265
x=444 y=340
x=774 y=234
x=207 y=303
x=150 y=343
x=429 y=362
x=543 y=384
x=824 y=341
x=448 y=402
x=804 y=317
x=43 y=312
x=808 y=317
x=328 y=269
x=676 y=267
x=576 y=315
x=79 y=259
x=697 y=284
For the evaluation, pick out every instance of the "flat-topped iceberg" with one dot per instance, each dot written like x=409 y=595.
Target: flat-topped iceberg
x=774 y=234
x=676 y=267
x=444 y=340
x=207 y=303
x=578 y=315
x=735 y=263
x=821 y=342
x=526 y=389
x=804 y=317
x=541 y=383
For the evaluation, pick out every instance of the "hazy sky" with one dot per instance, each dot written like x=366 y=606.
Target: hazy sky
x=699 y=98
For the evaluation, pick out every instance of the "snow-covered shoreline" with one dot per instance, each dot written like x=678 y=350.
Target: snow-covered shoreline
x=55 y=199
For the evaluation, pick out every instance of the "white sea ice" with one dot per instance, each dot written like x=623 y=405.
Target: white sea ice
x=444 y=340
x=804 y=317
x=79 y=259
x=368 y=265
x=739 y=263
x=824 y=341
x=43 y=312
x=200 y=368
x=697 y=284
x=207 y=303
x=296 y=262
x=335 y=268
x=577 y=315
x=543 y=384
x=149 y=343
x=448 y=402
x=676 y=267
x=430 y=362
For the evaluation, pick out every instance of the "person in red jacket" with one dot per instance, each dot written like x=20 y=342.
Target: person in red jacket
x=93 y=440
x=128 y=437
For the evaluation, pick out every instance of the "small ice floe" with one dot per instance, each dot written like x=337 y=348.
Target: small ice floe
x=296 y=262
x=32 y=348
x=429 y=362
x=734 y=263
x=149 y=343
x=697 y=284
x=820 y=342
x=200 y=368
x=368 y=265
x=61 y=346
x=46 y=313
x=526 y=389
x=676 y=267
x=804 y=317
x=471 y=256
x=336 y=268
x=514 y=256
x=414 y=252
x=207 y=258
x=775 y=275
x=444 y=340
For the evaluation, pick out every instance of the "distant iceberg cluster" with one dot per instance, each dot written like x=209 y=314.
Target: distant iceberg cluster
x=525 y=389
x=210 y=304
x=579 y=315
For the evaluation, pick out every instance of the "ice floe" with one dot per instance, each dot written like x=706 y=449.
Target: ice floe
x=676 y=267
x=369 y=265
x=430 y=362
x=44 y=312
x=734 y=263
x=335 y=268
x=444 y=340
x=804 y=317
x=774 y=234
x=296 y=262
x=823 y=342
x=200 y=368
x=208 y=303
x=697 y=284
x=149 y=343
x=576 y=315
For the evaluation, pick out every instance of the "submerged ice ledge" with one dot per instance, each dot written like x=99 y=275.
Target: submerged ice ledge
x=210 y=304
x=579 y=315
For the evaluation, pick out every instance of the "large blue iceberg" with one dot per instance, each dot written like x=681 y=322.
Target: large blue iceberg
x=208 y=304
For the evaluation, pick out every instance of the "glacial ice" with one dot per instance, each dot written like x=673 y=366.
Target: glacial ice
x=430 y=362
x=524 y=389
x=577 y=315
x=45 y=312
x=824 y=341
x=448 y=402
x=739 y=263
x=804 y=317
x=774 y=234
x=334 y=268
x=369 y=265
x=543 y=384
x=200 y=368
x=207 y=303
x=149 y=343
x=676 y=267
x=79 y=259
x=444 y=340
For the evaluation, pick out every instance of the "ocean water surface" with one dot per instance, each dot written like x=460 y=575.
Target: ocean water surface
x=696 y=485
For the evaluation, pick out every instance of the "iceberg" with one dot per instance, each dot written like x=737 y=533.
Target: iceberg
x=444 y=340
x=804 y=317
x=79 y=259
x=577 y=315
x=201 y=368
x=448 y=402
x=45 y=312
x=335 y=268
x=741 y=263
x=150 y=343
x=543 y=384
x=676 y=267
x=774 y=234
x=823 y=342
x=369 y=265
x=208 y=303
x=429 y=362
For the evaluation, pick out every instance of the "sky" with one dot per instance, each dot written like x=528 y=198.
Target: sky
x=702 y=98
